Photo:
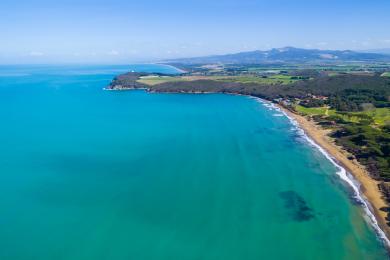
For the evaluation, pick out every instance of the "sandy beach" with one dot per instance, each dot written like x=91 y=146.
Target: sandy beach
x=369 y=186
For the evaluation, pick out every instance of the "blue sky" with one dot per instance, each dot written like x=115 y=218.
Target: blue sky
x=119 y=31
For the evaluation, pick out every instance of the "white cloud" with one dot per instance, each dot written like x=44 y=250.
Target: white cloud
x=321 y=43
x=113 y=53
x=36 y=54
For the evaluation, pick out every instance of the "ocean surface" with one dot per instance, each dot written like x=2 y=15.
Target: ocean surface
x=93 y=174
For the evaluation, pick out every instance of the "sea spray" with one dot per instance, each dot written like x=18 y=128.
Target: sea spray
x=342 y=172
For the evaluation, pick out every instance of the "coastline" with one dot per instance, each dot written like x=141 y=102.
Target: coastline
x=352 y=172
x=368 y=187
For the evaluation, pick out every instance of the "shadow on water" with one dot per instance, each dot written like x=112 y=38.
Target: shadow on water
x=296 y=206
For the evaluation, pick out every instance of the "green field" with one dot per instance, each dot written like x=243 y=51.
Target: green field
x=386 y=74
x=273 y=79
x=380 y=116
x=154 y=80
x=312 y=111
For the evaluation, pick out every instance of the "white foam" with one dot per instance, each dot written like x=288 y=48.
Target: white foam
x=342 y=173
x=348 y=178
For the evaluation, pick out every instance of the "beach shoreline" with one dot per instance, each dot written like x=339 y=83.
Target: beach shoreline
x=368 y=187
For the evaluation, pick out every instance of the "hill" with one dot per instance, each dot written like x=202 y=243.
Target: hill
x=287 y=54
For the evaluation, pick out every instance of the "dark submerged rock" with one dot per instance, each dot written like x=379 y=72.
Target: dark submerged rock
x=296 y=206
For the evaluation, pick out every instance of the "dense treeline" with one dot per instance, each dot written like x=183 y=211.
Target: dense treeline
x=355 y=99
x=331 y=85
x=370 y=146
x=264 y=91
x=348 y=88
x=127 y=80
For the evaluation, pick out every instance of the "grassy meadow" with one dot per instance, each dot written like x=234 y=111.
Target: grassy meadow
x=276 y=79
x=377 y=116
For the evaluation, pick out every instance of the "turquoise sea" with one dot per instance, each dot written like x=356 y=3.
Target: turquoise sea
x=93 y=174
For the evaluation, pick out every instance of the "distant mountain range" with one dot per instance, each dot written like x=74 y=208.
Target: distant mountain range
x=288 y=54
x=382 y=51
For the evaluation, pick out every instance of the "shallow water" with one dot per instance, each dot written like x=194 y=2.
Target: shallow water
x=93 y=174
